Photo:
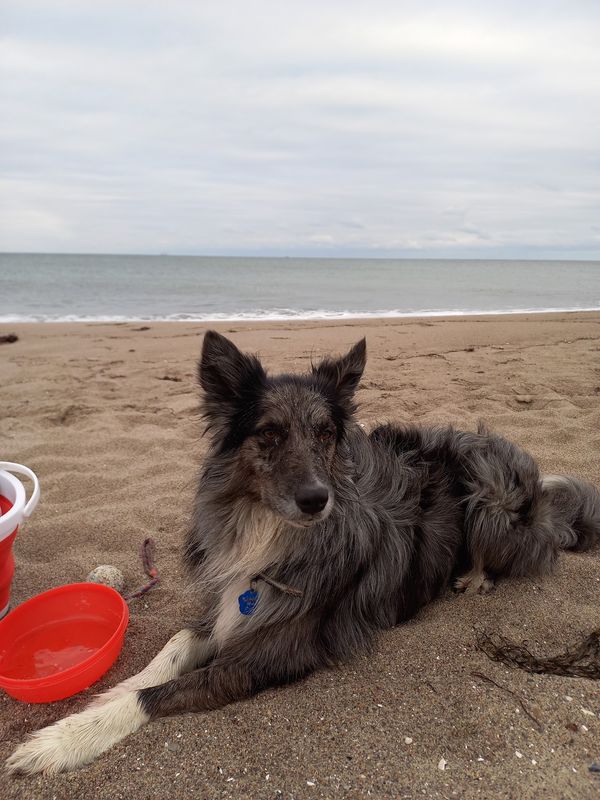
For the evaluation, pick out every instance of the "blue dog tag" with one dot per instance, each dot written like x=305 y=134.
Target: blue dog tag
x=248 y=601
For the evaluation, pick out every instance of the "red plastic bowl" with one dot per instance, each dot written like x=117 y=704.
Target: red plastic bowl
x=60 y=642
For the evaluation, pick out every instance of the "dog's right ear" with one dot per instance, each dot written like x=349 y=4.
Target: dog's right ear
x=228 y=376
x=343 y=374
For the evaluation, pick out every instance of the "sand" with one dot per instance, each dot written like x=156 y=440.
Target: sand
x=107 y=415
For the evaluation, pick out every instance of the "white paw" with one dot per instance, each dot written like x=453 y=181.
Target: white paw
x=50 y=749
x=474 y=582
x=78 y=739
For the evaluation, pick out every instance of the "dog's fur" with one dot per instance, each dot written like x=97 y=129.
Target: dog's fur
x=343 y=534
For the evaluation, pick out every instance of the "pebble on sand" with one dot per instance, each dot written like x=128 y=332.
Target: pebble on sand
x=108 y=576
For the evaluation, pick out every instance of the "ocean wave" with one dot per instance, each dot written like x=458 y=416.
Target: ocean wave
x=282 y=315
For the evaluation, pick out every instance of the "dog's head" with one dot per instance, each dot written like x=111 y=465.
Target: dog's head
x=282 y=431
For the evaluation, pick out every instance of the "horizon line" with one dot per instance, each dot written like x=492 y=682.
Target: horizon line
x=590 y=259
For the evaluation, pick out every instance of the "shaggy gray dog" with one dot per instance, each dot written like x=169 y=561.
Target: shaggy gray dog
x=310 y=535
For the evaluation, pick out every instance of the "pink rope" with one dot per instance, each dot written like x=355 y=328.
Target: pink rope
x=147 y=553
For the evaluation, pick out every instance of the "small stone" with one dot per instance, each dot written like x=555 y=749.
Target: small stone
x=588 y=712
x=524 y=399
x=442 y=764
x=107 y=575
x=518 y=755
x=408 y=740
x=594 y=767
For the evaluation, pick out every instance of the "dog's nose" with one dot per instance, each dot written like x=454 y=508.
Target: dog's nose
x=312 y=498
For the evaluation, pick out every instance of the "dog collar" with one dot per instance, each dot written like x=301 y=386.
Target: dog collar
x=248 y=600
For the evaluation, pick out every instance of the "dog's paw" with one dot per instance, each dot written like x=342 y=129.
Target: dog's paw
x=49 y=750
x=474 y=582
x=80 y=738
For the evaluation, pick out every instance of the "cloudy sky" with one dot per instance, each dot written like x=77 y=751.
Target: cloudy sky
x=347 y=128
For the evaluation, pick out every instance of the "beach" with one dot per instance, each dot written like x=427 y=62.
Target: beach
x=108 y=417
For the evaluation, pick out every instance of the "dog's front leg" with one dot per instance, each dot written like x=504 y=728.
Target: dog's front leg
x=202 y=690
x=249 y=665
x=80 y=738
x=244 y=667
x=183 y=652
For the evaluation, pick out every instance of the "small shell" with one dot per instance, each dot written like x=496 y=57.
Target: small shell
x=107 y=575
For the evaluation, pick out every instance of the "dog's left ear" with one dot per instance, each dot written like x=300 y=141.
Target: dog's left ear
x=226 y=374
x=342 y=375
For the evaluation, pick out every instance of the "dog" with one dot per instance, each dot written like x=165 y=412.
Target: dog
x=310 y=535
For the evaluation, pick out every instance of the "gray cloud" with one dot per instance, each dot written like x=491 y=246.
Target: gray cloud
x=261 y=127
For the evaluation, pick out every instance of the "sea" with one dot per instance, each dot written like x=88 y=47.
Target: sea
x=117 y=288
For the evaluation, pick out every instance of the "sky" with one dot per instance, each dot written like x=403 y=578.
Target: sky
x=380 y=129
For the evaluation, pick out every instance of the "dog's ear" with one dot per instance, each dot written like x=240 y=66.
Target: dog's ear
x=342 y=375
x=228 y=376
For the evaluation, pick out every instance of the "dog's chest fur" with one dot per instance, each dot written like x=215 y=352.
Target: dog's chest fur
x=257 y=543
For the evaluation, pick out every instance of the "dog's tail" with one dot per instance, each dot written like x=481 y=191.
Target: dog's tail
x=576 y=506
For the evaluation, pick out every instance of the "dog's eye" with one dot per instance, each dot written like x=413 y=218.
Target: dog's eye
x=326 y=435
x=270 y=435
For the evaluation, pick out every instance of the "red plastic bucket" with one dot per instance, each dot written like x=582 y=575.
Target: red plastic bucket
x=14 y=508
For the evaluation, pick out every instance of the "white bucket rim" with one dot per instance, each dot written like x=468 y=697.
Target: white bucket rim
x=20 y=509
